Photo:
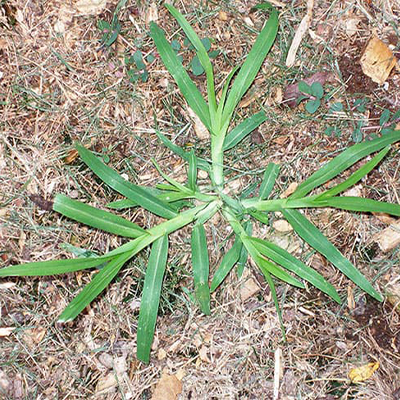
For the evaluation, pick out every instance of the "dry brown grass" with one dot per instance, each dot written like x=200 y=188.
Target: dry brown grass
x=46 y=105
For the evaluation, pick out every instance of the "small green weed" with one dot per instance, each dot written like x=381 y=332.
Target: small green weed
x=111 y=30
x=195 y=65
x=136 y=66
x=313 y=93
x=189 y=204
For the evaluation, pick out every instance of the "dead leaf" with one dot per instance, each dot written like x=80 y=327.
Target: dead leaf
x=222 y=15
x=361 y=374
x=351 y=25
x=249 y=98
x=203 y=354
x=106 y=383
x=41 y=202
x=377 y=60
x=167 y=388
x=152 y=14
x=3 y=44
x=389 y=238
x=90 y=7
x=7 y=285
x=282 y=225
x=161 y=354
x=385 y=218
x=393 y=294
x=355 y=191
x=290 y=190
x=199 y=128
x=248 y=289
x=34 y=336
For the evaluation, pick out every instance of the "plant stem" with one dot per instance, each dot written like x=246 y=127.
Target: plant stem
x=217 y=158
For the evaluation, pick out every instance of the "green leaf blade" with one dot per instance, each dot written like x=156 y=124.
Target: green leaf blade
x=350 y=203
x=151 y=297
x=228 y=261
x=268 y=182
x=202 y=164
x=202 y=57
x=356 y=176
x=192 y=173
x=52 y=267
x=94 y=288
x=287 y=261
x=343 y=161
x=308 y=232
x=96 y=218
x=129 y=190
x=175 y=68
x=252 y=64
x=201 y=268
x=243 y=129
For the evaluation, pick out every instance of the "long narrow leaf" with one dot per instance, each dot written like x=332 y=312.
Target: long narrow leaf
x=243 y=129
x=259 y=216
x=203 y=57
x=151 y=297
x=192 y=173
x=96 y=218
x=251 y=66
x=165 y=228
x=248 y=228
x=175 y=68
x=221 y=103
x=52 y=267
x=308 y=232
x=129 y=190
x=202 y=164
x=280 y=273
x=270 y=175
x=228 y=261
x=271 y=285
x=286 y=260
x=344 y=161
x=175 y=185
x=360 y=204
x=94 y=288
x=201 y=267
x=356 y=176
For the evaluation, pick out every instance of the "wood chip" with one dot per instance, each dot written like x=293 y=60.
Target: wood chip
x=249 y=289
x=377 y=60
x=282 y=225
x=199 y=128
x=6 y=331
x=298 y=37
x=222 y=15
x=90 y=7
x=290 y=190
x=389 y=238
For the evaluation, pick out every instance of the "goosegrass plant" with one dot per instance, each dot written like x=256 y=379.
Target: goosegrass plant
x=189 y=204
